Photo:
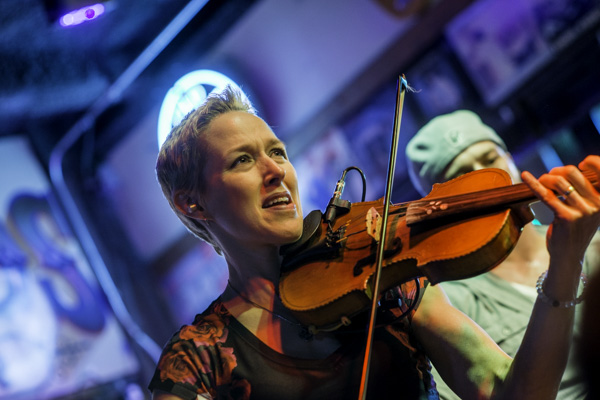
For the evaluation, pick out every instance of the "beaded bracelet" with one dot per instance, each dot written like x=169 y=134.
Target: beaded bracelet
x=556 y=303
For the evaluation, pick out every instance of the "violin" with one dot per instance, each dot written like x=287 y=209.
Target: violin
x=462 y=228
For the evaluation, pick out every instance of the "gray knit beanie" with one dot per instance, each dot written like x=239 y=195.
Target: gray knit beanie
x=443 y=138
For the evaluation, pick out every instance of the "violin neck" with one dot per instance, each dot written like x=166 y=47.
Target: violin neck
x=479 y=202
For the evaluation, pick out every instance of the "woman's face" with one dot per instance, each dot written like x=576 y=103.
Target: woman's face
x=251 y=193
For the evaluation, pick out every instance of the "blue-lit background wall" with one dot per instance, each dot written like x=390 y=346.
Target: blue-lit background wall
x=58 y=333
x=322 y=73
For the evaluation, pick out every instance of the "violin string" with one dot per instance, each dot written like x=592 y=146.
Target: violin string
x=247 y=300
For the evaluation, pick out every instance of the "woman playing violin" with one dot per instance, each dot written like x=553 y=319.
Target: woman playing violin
x=227 y=177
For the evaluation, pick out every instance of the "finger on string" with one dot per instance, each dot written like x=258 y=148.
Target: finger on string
x=544 y=191
x=591 y=163
x=571 y=196
x=538 y=188
x=568 y=182
x=577 y=188
x=563 y=188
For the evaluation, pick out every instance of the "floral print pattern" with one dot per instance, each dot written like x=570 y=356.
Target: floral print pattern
x=190 y=355
x=200 y=358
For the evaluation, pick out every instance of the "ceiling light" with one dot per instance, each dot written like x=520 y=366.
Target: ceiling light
x=187 y=93
x=74 y=12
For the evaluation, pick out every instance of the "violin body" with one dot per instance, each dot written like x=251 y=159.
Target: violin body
x=329 y=279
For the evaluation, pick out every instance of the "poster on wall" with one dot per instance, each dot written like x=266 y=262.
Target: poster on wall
x=439 y=88
x=363 y=140
x=321 y=166
x=58 y=335
x=501 y=43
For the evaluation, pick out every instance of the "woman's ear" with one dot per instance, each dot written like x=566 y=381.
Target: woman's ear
x=188 y=206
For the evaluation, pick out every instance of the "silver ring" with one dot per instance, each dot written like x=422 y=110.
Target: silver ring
x=570 y=190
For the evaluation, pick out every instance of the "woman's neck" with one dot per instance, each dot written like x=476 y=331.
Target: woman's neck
x=258 y=308
x=247 y=264
x=252 y=291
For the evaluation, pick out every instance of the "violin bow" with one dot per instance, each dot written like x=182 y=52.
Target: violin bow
x=402 y=85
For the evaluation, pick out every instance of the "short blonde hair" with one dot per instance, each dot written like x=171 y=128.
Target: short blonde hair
x=180 y=165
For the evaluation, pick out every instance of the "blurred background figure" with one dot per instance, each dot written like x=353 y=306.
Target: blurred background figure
x=501 y=300
x=589 y=346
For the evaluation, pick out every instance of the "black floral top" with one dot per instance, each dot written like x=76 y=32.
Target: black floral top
x=217 y=357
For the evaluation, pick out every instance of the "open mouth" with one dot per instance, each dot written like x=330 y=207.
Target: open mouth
x=277 y=200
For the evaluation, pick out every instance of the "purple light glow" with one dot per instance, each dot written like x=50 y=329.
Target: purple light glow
x=82 y=15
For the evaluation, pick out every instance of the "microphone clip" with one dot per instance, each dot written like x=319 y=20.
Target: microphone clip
x=337 y=206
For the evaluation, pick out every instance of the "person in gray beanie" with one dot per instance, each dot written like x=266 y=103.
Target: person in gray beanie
x=501 y=300
x=431 y=151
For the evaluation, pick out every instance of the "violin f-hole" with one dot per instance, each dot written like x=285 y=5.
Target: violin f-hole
x=370 y=259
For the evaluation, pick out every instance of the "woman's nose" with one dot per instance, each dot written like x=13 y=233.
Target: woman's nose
x=274 y=173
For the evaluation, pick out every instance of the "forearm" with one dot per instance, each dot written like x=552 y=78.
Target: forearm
x=476 y=368
x=538 y=366
x=465 y=356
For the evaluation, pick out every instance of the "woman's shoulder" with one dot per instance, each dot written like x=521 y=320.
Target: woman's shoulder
x=208 y=328
x=188 y=360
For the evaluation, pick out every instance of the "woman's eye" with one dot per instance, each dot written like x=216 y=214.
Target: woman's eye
x=241 y=160
x=279 y=153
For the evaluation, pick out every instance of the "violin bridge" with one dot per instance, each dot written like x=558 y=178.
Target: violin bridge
x=373 y=222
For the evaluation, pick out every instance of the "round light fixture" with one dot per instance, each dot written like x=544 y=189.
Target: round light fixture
x=186 y=94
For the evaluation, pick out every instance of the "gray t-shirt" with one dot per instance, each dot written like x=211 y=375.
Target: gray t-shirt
x=503 y=310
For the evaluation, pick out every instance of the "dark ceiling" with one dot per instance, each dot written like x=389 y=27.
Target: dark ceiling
x=50 y=75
